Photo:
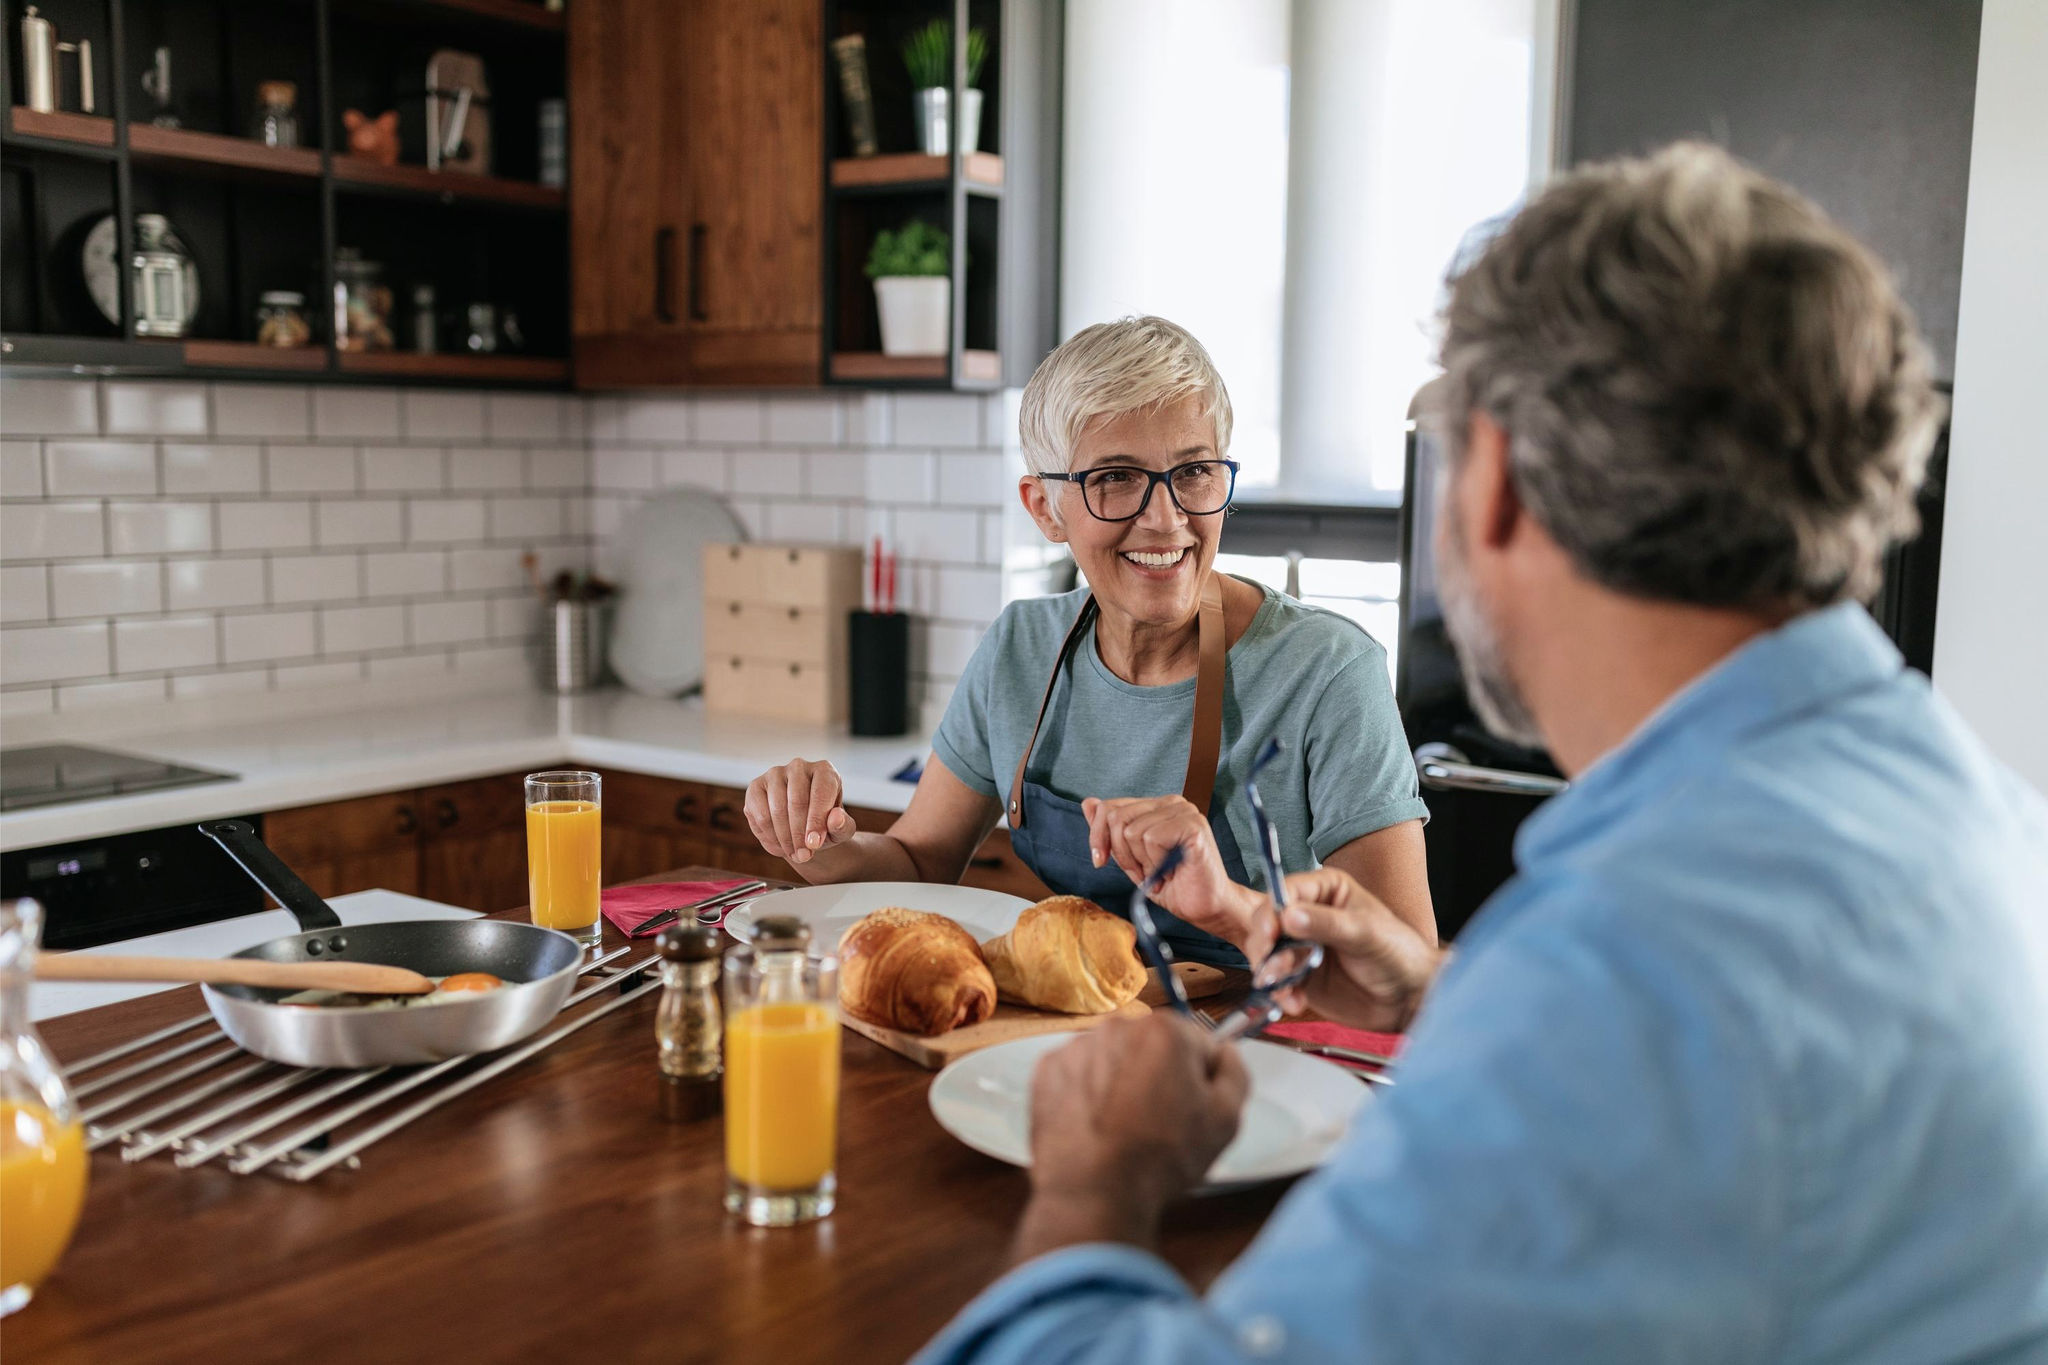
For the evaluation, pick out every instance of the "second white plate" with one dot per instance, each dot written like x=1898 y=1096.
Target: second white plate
x=832 y=910
x=1298 y=1110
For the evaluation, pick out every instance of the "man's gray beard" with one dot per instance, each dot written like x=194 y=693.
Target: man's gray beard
x=1488 y=685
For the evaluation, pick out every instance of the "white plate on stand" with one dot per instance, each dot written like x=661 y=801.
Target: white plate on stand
x=1298 y=1111
x=832 y=910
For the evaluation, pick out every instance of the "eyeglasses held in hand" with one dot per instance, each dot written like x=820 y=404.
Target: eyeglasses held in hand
x=1151 y=945
x=1292 y=959
x=1122 y=492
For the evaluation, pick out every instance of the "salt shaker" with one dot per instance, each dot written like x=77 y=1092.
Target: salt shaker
x=689 y=1025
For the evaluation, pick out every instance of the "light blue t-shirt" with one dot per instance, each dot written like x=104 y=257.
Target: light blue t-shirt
x=1748 y=1062
x=1308 y=676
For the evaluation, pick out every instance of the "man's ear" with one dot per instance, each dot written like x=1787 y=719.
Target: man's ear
x=1494 y=510
x=1031 y=492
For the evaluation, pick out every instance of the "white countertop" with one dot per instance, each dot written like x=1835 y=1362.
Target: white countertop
x=301 y=760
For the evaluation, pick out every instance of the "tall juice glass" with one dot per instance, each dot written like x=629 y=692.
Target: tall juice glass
x=42 y=1142
x=563 y=867
x=781 y=1085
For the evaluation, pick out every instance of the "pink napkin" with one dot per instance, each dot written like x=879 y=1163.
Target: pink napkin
x=1337 y=1035
x=629 y=907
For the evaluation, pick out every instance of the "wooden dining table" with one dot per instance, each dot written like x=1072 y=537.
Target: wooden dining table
x=564 y=1211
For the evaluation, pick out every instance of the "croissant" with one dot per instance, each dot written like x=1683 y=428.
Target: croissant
x=908 y=970
x=1067 y=954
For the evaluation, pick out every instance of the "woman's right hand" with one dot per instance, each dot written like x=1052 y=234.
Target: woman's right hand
x=1376 y=967
x=795 y=810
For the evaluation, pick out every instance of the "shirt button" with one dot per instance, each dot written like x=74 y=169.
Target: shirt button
x=1262 y=1336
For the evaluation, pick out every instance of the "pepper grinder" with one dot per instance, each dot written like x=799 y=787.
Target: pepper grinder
x=689 y=1024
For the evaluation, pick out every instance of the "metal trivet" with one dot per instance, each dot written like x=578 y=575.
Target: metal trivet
x=255 y=1098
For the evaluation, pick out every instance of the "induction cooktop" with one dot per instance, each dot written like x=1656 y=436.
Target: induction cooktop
x=53 y=774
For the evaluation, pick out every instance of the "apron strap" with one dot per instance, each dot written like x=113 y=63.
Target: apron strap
x=1205 y=737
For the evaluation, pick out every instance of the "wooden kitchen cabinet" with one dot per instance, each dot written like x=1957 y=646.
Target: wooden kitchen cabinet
x=697 y=136
x=341 y=846
x=473 y=843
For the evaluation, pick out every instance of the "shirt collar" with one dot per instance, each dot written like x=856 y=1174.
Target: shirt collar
x=1807 y=661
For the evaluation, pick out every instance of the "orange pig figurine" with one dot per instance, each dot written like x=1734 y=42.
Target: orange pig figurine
x=373 y=138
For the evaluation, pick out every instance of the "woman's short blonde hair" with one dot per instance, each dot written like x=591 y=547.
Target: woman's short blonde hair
x=1108 y=370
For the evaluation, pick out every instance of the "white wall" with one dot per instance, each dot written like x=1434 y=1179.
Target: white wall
x=1991 y=633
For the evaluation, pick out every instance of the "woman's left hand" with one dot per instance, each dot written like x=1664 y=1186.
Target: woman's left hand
x=1136 y=832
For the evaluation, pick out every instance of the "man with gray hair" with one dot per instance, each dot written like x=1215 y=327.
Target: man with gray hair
x=1750 y=1059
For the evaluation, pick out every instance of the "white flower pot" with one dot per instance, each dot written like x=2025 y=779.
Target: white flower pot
x=917 y=313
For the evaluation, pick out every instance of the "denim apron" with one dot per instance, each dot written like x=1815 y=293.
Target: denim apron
x=1050 y=834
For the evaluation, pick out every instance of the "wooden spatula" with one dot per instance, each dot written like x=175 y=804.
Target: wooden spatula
x=361 y=978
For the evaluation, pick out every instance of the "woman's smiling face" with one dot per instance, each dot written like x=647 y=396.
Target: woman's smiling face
x=1150 y=568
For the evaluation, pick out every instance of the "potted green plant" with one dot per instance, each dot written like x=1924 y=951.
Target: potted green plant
x=912 y=268
x=928 y=56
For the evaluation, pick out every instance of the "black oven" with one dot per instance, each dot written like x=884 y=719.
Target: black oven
x=121 y=886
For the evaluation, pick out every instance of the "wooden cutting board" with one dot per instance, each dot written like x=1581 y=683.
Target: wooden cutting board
x=1011 y=1022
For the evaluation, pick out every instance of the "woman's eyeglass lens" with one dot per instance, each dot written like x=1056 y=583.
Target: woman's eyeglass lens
x=1121 y=493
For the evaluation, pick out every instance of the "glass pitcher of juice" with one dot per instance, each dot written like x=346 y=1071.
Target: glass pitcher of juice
x=42 y=1140
x=781 y=1077
x=565 y=869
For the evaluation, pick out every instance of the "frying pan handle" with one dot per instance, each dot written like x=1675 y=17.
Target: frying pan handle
x=268 y=871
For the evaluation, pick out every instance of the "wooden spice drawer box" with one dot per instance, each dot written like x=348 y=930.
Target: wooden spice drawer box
x=775 y=630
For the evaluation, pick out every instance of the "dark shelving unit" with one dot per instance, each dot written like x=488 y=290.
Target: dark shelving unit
x=257 y=218
x=997 y=204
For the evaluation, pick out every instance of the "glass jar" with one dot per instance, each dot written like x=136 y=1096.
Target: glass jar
x=166 y=280
x=281 y=319
x=42 y=1139
x=362 y=303
x=277 y=114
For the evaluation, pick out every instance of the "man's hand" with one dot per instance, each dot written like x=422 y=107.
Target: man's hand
x=1135 y=834
x=1125 y=1118
x=795 y=810
x=1376 y=967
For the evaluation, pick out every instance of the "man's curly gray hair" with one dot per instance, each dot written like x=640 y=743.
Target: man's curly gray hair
x=1713 y=394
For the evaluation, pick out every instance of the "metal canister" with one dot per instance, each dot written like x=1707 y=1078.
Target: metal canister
x=38 y=62
x=575 y=655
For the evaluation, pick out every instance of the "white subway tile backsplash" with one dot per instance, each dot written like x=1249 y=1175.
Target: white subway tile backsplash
x=24 y=593
x=477 y=570
x=190 y=469
x=525 y=518
x=734 y=420
x=902 y=476
x=48 y=407
x=198 y=584
x=975 y=481
x=358 y=630
x=870 y=419
x=752 y=515
x=486 y=467
x=622 y=467
x=938 y=419
x=664 y=420
x=526 y=416
x=606 y=516
x=170 y=643
x=409 y=665
x=510 y=664
x=808 y=522
x=767 y=472
x=155 y=409
x=100 y=696
x=281 y=524
x=515 y=618
x=710 y=469
x=270 y=635
x=967 y=594
x=101 y=468
x=402 y=574
x=941 y=535
x=262 y=410
x=436 y=520
x=311 y=469
x=836 y=474
x=803 y=421
x=286 y=677
x=32 y=654
x=433 y=415
x=51 y=530
x=157 y=528
x=21 y=702
x=565 y=467
x=21 y=469
x=451 y=622
x=404 y=469
x=107 y=587
x=378 y=522
x=233 y=682
x=320 y=578
x=949 y=647
x=355 y=413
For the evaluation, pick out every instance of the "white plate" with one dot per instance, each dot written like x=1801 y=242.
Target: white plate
x=831 y=910
x=1298 y=1110
x=657 y=630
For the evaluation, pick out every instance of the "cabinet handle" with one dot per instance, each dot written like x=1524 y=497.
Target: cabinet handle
x=445 y=814
x=408 y=823
x=721 y=817
x=686 y=810
x=697 y=234
x=664 y=287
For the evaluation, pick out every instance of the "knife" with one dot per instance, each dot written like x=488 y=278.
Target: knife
x=717 y=905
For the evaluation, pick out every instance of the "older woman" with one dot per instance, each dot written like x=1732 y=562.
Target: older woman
x=1110 y=723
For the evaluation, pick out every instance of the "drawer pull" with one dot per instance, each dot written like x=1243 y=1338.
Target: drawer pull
x=686 y=810
x=796 y=670
x=795 y=612
x=445 y=814
x=733 y=607
x=721 y=816
x=408 y=823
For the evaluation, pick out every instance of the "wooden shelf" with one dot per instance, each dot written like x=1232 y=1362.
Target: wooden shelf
x=975 y=366
x=247 y=355
x=87 y=130
x=181 y=146
x=448 y=186
x=502 y=368
x=910 y=169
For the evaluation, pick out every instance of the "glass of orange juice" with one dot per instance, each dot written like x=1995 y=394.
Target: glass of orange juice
x=781 y=1084
x=42 y=1142
x=562 y=864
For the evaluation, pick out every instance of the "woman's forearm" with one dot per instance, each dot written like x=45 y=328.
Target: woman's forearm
x=863 y=858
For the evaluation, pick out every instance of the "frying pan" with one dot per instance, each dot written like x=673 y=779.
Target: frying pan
x=538 y=966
